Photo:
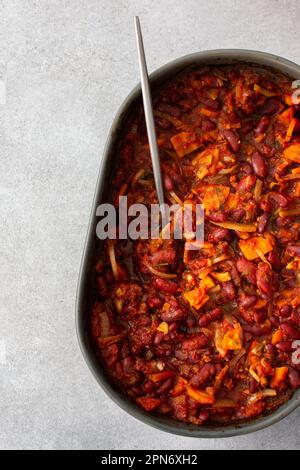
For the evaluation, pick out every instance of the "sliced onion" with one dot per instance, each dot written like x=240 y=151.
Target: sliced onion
x=109 y=340
x=236 y=226
x=226 y=171
x=268 y=392
x=219 y=259
x=137 y=176
x=176 y=198
x=105 y=323
x=237 y=359
x=159 y=273
x=258 y=190
x=112 y=257
x=224 y=403
x=290 y=213
x=262 y=256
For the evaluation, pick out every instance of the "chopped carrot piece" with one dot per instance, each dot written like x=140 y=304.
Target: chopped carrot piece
x=232 y=340
x=293 y=153
x=286 y=117
x=279 y=376
x=185 y=142
x=288 y=99
x=179 y=387
x=201 y=397
x=277 y=337
x=208 y=112
x=215 y=196
x=264 y=92
x=207 y=283
x=148 y=403
x=163 y=327
x=204 y=158
x=290 y=130
x=228 y=337
x=160 y=376
x=196 y=297
x=253 y=247
x=222 y=277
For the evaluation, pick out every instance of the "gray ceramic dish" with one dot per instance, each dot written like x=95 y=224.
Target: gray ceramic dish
x=85 y=286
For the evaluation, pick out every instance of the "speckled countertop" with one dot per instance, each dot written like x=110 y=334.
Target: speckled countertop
x=67 y=65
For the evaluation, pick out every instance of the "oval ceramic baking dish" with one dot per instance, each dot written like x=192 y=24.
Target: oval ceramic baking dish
x=85 y=292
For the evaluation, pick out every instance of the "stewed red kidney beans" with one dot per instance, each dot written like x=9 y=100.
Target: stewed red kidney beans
x=207 y=336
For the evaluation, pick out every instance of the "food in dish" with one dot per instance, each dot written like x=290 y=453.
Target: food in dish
x=207 y=336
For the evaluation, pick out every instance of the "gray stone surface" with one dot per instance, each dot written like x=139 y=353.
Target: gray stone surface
x=67 y=65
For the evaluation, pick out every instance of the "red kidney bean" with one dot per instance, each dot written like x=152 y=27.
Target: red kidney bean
x=174 y=313
x=267 y=150
x=293 y=378
x=195 y=342
x=290 y=331
x=154 y=302
x=204 y=374
x=246 y=184
x=271 y=106
x=228 y=290
x=264 y=279
x=279 y=199
x=164 y=387
x=293 y=250
x=158 y=338
x=217 y=217
x=245 y=167
x=284 y=346
x=238 y=214
x=208 y=125
x=253 y=386
x=167 y=108
x=163 y=256
x=148 y=386
x=203 y=416
x=247 y=269
x=173 y=327
x=233 y=139
x=266 y=205
x=262 y=125
x=168 y=183
x=165 y=285
x=218 y=234
x=102 y=288
x=274 y=259
x=256 y=330
x=247 y=336
x=247 y=301
x=128 y=365
x=236 y=278
x=259 y=165
x=270 y=350
x=260 y=316
x=210 y=316
x=274 y=320
x=163 y=123
x=286 y=311
x=263 y=222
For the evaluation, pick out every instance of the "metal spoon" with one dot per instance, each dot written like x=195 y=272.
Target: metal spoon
x=148 y=109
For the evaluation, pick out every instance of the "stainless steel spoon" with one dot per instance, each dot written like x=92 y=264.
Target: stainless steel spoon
x=148 y=109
